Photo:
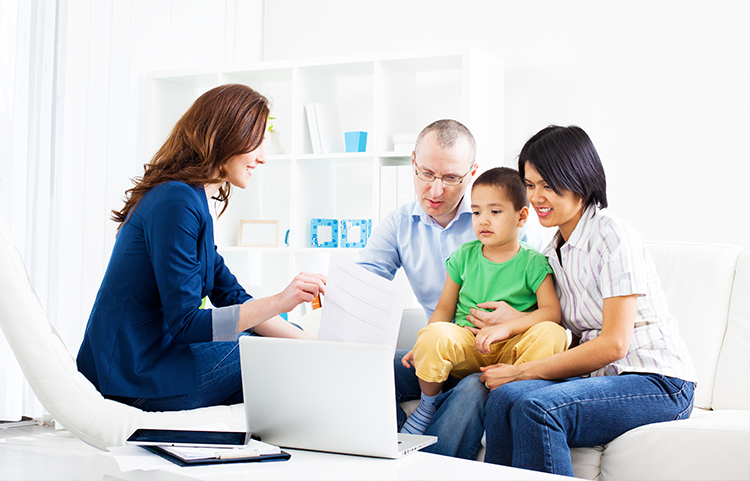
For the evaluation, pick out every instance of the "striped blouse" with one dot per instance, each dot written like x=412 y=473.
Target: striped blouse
x=605 y=257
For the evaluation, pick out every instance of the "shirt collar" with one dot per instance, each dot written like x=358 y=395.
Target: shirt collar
x=581 y=234
x=464 y=207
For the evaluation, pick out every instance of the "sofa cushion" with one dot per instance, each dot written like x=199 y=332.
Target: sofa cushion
x=732 y=386
x=587 y=462
x=697 y=279
x=710 y=445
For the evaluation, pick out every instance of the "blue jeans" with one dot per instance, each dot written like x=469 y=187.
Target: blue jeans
x=217 y=367
x=458 y=422
x=533 y=424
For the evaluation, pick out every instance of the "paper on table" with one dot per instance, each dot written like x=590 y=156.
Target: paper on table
x=252 y=448
x=360 y=306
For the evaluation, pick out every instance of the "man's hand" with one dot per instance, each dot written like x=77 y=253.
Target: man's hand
x=499 y=313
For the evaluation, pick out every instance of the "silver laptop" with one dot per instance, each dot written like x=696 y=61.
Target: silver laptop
x=323 y=396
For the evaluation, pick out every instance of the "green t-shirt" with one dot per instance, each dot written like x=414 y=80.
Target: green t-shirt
x=482 y=280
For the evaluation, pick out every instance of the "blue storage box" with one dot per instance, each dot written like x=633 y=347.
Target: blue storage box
x=355 y=141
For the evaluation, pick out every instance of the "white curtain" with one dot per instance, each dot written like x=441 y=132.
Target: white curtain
x=73 y=82
x=27 y=58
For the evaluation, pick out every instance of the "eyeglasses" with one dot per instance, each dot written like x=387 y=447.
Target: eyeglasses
x=451 y=180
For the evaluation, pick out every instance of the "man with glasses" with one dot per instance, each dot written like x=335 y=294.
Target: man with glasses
x=418 y=237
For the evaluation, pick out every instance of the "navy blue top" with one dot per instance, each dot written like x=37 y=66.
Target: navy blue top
x=147 y=311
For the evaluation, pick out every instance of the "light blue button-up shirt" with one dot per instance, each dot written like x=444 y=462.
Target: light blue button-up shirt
x=409 y=238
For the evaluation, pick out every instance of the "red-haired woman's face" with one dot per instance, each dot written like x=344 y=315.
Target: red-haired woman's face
x=240 y=167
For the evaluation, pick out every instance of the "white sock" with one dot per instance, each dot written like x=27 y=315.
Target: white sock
x=421 y=417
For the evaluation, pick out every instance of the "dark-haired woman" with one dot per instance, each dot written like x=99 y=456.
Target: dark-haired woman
x=629 y=366
x=148 y=343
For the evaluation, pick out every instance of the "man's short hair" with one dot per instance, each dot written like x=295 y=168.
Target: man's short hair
x=448 y=132
x=507 y=179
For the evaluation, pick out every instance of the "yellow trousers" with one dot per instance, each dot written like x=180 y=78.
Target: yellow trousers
x=444 y=348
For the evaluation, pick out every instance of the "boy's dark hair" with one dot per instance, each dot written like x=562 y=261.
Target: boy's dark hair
x=507 y=179
x=566 y=159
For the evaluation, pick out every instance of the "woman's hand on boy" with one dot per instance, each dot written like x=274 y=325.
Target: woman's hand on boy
x=498 y=374
x=485 y=337
x=492 y=313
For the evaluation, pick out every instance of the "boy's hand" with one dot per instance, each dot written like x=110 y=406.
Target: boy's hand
x=408 y=359
x=487 y=336
x=500 y=312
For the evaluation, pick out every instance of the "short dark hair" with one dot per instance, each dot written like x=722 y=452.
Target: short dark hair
x=508 y=180
x=567 y=160
x=448 y=131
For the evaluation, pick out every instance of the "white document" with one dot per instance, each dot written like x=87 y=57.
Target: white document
x=360 y=306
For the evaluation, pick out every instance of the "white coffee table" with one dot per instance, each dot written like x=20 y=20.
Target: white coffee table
x=134 y=463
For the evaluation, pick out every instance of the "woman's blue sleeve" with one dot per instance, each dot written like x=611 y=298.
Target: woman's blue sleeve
x=172 y=229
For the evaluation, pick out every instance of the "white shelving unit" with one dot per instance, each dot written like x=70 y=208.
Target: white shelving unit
x=379 y=94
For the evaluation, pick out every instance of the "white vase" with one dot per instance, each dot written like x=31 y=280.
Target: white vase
x=273 y=144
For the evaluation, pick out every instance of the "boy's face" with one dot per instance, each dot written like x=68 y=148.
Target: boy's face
x=495 y=220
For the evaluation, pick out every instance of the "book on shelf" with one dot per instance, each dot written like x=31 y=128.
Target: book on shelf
x=326 y=135
x=388 y=190
x=312 y=123
x=396 y=187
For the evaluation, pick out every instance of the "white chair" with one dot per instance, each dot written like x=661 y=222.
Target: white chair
x=52 y=373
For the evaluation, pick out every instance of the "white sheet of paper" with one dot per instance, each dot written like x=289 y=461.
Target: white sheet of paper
x=360 y=306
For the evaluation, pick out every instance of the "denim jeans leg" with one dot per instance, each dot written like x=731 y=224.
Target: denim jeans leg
x=497 y=424
x=544 y=419
x=459 y=420
x=217 y=366
x=407 y=385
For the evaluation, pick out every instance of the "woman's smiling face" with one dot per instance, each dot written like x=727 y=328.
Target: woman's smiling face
x=563 y=211
x=240 y=167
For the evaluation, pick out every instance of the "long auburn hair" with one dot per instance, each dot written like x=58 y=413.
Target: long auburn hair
x=226 y=121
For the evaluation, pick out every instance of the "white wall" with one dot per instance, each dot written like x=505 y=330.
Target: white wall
x=662 y=87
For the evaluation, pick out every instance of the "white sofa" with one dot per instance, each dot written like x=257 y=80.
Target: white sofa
x=708 y=289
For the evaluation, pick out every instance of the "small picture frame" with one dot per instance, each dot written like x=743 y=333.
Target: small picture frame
x=324 y=233
x=354 y=232
x=258 y=233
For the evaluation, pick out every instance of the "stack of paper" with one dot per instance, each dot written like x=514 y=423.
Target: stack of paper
x=360 y=306
x=252 y=449
x=404 y=142
x=326 y=135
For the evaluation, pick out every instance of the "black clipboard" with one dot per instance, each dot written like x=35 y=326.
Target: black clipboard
x=283 y=456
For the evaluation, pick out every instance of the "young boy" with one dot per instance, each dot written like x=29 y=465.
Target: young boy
x=496 y=267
